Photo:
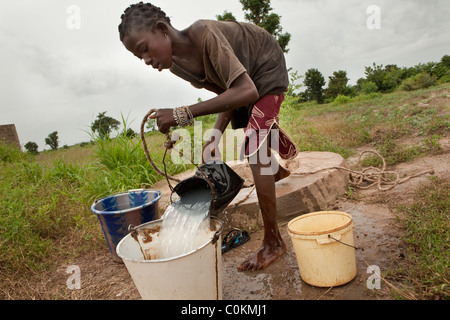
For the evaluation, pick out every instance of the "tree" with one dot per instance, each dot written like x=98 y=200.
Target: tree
x=367 y=87
x=445 y=60
x=293 y=84
x=52 y=140
x=337 y=84
x=259 y=13
x=103 y=125
x=375 y=74
x=314 y=82
x=31 y=147
x=129 y=133
x=387 y=78
x=226 y=16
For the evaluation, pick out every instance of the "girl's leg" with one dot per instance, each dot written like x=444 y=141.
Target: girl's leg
x=272 y=246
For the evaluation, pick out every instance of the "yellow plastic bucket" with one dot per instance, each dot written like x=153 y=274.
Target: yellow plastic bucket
x=324 y=247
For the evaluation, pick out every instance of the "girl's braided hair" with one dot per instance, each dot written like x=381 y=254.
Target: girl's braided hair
x=139 y=16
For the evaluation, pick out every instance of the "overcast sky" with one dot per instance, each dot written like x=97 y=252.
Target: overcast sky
x=62 y=62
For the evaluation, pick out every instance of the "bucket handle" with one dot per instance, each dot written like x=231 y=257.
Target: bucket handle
x=328 y=239
x=216 y=235
x=337 y=238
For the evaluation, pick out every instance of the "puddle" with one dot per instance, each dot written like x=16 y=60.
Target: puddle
x=374 y=231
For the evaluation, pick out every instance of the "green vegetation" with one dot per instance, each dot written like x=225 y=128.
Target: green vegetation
x=381 y=120
x=52 y=140
x=103 y=125
x=45 y=215
x=427 y=237
x=377 y=79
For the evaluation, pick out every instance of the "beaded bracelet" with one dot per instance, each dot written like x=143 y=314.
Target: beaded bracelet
x=183 y=116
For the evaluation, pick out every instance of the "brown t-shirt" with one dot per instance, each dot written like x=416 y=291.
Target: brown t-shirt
x=231 y=48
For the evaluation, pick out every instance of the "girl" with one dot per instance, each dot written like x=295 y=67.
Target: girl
x=244 y=65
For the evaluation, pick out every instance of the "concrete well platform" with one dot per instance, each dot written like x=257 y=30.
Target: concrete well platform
x=301 y=192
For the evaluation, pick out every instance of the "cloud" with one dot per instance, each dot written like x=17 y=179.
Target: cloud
x=55 y=78
x=332 y=35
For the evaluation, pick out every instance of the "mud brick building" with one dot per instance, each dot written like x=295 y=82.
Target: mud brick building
x=8 y=134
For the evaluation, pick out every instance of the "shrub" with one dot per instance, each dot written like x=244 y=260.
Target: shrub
x=340 y=99
x=368 y=87
x=445 y=79
x=422 y=80
x=10 y=152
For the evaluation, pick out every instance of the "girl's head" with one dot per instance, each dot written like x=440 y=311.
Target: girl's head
x=145 y=32
x=140 y=16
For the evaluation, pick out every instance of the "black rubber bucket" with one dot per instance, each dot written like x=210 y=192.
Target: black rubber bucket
x=225 y=184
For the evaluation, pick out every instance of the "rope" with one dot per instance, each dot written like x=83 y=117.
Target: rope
x=371 y=175
x=168 y=144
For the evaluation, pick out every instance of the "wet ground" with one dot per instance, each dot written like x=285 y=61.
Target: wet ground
x=374 y=231
x=377 y=233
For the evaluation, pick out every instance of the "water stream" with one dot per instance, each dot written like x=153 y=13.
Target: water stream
x=184 y=223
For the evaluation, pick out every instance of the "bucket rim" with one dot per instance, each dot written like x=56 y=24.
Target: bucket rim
x=159 y=221
x=321 y=232
x=99 y=212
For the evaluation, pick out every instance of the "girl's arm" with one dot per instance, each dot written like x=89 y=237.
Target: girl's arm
x=241 y=93
x=224 y=118
x=211 y=146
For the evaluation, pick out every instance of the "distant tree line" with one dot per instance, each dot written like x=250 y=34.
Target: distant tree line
x=378 y=78
x=102 y=127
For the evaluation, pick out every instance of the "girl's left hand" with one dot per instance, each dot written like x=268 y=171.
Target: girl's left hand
x=164 y=119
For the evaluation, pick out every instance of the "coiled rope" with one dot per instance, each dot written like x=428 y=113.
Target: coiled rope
x=371 y=175
x=168 y=144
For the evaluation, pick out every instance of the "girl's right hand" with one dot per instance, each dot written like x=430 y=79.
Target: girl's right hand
x=164 y=119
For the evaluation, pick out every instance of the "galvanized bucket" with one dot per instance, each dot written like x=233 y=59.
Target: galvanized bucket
x=118 y=211
x=195 y=275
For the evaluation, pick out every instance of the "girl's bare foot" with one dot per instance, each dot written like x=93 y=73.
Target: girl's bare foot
x=268 y=253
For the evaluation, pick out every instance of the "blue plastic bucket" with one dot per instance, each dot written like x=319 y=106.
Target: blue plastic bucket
x=117 y=212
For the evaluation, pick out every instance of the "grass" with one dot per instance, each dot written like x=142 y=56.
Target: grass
x=36 y=211
x=45 y=215
x=427 y=237
x=375 y=119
